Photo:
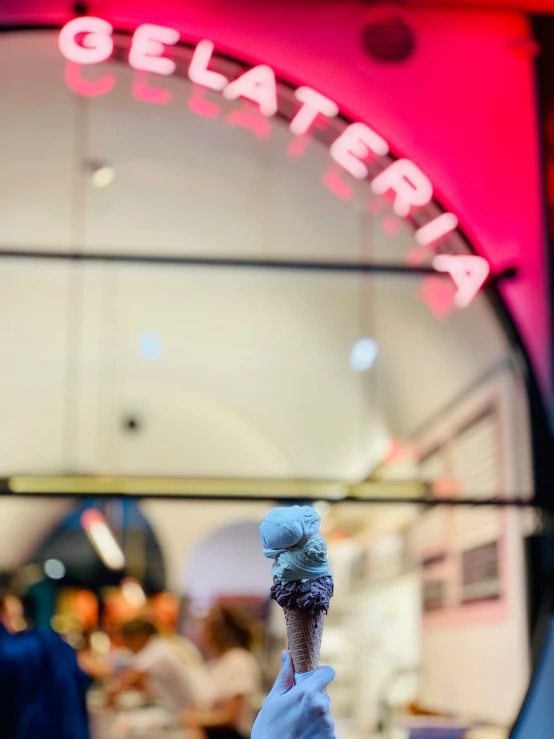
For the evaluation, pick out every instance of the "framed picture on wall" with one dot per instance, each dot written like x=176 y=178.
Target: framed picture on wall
x=434 y=595
x=480 y=576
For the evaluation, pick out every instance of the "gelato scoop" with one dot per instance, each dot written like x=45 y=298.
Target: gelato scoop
x=290 y=536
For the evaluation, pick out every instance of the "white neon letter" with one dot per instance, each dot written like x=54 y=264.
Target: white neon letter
x=198 y=69
x=409 y=183
x=468 y=272
x=354 y=144
x=96 y=45
x=147 y=48
x=313 y=103
x=436 y=229
x=258 y=85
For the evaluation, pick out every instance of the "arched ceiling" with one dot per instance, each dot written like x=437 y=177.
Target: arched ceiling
x=253 y=376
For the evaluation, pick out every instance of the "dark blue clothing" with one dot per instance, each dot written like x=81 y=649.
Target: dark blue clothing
x=42 y=689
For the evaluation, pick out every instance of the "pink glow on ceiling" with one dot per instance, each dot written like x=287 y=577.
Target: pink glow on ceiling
x=88 y=88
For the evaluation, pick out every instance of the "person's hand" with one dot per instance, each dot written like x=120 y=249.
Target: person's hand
x=296 y=711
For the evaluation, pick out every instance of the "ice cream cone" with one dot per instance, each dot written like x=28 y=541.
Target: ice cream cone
x=304 y=632
x=302 y=581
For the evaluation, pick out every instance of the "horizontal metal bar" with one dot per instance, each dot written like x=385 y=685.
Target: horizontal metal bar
x=275 y=499
x=197 y=261
x=243 y=490
x=223 y=487
x=240 y=263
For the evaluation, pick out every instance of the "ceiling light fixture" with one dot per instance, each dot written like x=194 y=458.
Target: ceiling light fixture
x=102 y=539
x=103 y=176
x=54 y=569
x=150 y=346
x=363 y=354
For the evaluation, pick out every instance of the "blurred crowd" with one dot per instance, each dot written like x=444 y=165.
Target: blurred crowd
x=52 y=690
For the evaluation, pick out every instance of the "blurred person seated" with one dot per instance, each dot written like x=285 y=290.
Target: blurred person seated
x=189 y=655
x=233 y=682
x=155 y=669
x=42 y=689
x=95 y=667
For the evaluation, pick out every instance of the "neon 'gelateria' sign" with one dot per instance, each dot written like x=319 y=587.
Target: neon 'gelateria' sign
x=88 y=40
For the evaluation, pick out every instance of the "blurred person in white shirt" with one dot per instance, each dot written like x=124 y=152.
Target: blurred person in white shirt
x=233 y=680
x=156 y=668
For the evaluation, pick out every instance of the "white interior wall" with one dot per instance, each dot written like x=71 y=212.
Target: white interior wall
x=228 y=562
x=24 y=522
x=33 y=331
x=465 y=664
x=485 y=652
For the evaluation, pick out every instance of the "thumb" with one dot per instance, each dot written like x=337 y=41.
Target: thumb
x=285 y=678
x=319 y=679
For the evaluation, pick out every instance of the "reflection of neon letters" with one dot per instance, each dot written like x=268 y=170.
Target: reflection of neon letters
x=148 y=94
x=338 y=187
x=198 y=104
x=468 y=272
x=87 y=88
x=259 y=126
x=89 y=40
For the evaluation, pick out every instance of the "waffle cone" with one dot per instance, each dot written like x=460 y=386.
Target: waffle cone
x=304 y=634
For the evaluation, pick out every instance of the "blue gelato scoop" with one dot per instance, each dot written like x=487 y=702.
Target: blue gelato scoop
x=290 y=536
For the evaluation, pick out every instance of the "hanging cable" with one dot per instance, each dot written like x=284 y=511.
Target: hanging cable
x=74 y=315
